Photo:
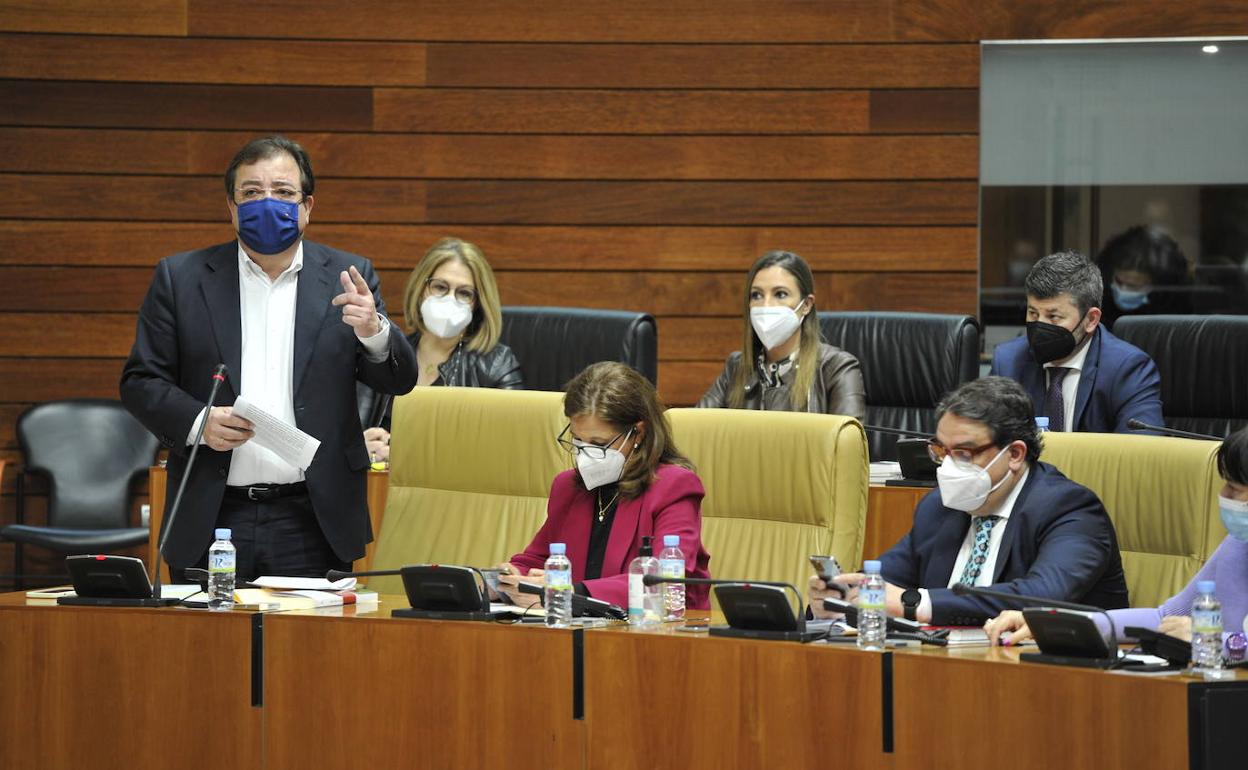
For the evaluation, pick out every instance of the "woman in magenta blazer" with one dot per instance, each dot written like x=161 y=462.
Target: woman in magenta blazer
x=629 y=481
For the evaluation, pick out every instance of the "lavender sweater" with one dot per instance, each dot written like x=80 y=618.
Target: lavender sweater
x=1228 y=567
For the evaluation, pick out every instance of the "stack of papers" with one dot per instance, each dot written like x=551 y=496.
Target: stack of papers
x=883 y=471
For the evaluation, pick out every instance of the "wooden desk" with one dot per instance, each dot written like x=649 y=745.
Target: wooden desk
x=890 y=514
x=708 y=702
x=347 y=689
x=981 y=707
x=119 y=687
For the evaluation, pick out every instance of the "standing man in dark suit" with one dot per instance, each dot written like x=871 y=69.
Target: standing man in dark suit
x=1077 y=373
x=1000 y=518
x=296 y=323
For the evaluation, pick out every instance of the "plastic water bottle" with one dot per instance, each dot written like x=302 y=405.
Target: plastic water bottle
x=672 y=565
x=1206 y=631
x=1042 y=424
x=558 y=584
x=645 y=603
x=222 y=559
x=872 y=623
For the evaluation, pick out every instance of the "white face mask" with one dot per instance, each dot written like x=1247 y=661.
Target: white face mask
x=445 y=317
x=966 y=489
x=774 y=325
x=597 y=472
x=1234 y=516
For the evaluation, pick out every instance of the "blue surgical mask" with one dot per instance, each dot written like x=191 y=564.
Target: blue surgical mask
x=1126 y=299
x=1235 y=517
x=268 y=226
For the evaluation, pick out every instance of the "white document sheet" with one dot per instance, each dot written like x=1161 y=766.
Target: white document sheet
x=282 y=439
x=303 y=584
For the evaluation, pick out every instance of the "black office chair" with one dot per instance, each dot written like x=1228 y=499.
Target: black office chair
x=553 y=344
x=1203 y=362
x=909 y=361
x=90 y=451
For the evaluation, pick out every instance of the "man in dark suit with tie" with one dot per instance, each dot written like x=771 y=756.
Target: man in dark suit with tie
x=1077 y=373
x=296 y=323
x=999 y=518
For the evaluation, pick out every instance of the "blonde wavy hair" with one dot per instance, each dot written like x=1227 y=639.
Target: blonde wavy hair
x=486 y=327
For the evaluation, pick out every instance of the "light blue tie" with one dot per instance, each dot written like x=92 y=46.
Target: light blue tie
x=979 y=550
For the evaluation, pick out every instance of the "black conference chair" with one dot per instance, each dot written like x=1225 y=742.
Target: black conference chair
x=1203 y=362
x=553 y=344
x=909 y=361
x=90 y=451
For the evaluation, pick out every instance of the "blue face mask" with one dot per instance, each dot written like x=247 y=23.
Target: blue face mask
x=268 y=226
x=1235 y=517
x=1128 y=300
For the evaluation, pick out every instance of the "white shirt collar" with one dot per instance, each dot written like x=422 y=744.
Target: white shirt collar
x=247 y=265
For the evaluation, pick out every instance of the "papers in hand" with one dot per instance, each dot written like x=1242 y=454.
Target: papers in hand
x=303 y=584
x=282 y=439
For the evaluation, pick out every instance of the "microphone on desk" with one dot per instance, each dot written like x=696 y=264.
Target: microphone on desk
x=654 y=580
x=218 y=377
x=1135 y=424
x=1025 y=601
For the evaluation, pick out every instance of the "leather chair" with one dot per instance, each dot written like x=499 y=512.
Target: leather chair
x=90 y=451
x=1162 y=495
x=909 y=362
x=780 y=486
x=1203 y=362
x=553 y=344
x=470 y=471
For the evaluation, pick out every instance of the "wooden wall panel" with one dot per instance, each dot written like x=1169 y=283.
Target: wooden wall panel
x=638 y=154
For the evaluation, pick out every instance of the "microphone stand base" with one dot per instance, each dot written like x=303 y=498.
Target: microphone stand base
x=116 y=601
x=1067 y=660
x=755 y=633
x=447 y=614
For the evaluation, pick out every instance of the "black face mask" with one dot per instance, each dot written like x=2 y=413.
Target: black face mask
x=1049 y=342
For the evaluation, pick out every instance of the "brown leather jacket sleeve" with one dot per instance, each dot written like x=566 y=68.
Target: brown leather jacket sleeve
x=717 y=396
x=844 y=392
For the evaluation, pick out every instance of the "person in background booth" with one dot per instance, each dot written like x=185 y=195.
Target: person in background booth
x=629 y=481
x=1145 y=273
x=1228 y=567
x=454 y=321
x=783 y=364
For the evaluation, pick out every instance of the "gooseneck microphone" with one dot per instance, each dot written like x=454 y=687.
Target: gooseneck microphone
x=897 y=431
x=654 y=580
x=1024 y=602
x=218 y=377
x=1135 y=424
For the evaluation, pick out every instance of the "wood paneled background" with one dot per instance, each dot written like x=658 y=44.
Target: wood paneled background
x=633 y=154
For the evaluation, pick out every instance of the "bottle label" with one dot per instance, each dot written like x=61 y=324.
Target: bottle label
x=871 y=599
x=559 y=579
x=221 y=561
x=1207 y=621
x=636 y=596
x=672 y=568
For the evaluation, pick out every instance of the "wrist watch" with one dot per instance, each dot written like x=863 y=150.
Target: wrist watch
x=910 y=599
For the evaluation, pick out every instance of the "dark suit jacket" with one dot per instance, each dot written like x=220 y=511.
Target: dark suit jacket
x=191 y=320
x=1119 y=382
x=1058 y=543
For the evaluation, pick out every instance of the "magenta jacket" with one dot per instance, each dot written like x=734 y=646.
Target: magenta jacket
x=671 y=505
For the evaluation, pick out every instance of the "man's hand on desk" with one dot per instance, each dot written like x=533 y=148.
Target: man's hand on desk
x=1177 y=625
x=224 y=431
x=820 y=591
x=1008 y=628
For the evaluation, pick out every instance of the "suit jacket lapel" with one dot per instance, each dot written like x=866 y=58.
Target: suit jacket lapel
x=1087 y=378
x=949 y=537
x=1017 y=521
x=1034 y=380
x=315 y=291
x=221 y=296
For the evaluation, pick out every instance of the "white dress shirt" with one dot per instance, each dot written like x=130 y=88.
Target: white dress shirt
x=968 y=543
x=267 y=309
x=1070 y=385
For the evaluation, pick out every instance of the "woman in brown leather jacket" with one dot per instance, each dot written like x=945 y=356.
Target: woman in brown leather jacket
x=786 y=365
x=453 y=318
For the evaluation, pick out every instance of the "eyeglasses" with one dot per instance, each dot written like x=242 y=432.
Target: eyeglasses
x=592 y=451
x=961 y=455
x=440 y=288
x=283 y=193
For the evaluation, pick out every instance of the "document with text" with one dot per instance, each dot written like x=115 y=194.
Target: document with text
x=282 y=439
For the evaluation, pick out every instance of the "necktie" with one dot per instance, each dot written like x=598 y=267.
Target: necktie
x=1054 y=404
x=979 y=550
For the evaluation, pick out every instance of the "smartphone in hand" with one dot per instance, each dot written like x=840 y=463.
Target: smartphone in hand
x=826 y=567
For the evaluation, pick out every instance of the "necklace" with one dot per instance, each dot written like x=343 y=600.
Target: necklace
x=602 y=509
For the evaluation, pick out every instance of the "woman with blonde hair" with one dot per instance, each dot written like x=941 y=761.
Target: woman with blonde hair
x=783 y=364
x=454 y=320
x=628 y=481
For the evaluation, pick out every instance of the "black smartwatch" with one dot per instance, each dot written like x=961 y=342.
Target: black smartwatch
x=910 y=599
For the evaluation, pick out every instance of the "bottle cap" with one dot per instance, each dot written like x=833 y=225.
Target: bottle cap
x=871 y=566
x=223 y=533
x=1204 y=587
x=671 y=541
x=558 y=549
x=1042 y=423
x=647 y=547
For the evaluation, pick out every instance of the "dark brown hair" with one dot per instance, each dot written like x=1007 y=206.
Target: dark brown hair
x=617 y=394
x=1233 y=457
